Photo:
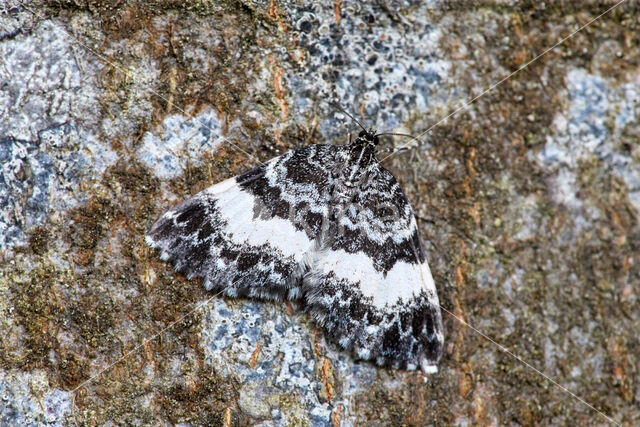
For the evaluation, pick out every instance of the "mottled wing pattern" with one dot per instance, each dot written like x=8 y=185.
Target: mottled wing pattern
x=219 y=237
x=370 y=284
x=325 y=225
x=251 y=235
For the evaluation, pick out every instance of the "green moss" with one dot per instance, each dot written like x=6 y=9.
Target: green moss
x=133 y=177
x=39 y=240
x=94 y=314
x=90 y=224
x=37 y=308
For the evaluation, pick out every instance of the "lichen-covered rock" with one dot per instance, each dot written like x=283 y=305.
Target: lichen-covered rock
x=27 y=399
x=48 y=136
x=181 y=143
x=527 y=201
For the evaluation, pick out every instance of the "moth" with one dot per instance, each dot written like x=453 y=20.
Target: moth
x=326 y=226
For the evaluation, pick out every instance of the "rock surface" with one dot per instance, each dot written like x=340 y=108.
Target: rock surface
x=111 y=112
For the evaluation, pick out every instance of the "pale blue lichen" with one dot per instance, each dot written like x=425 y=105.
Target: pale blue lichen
x=283 y=346
x=46 y=150
x=42 y=176
x=367 y=61
x=26 y=399
x=180 y=141
x=598 y=108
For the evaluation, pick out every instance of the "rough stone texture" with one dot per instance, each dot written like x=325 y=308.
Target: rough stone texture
x=529 y=200
x=28 y=399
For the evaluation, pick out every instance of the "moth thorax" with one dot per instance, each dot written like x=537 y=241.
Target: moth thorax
x=343 y=191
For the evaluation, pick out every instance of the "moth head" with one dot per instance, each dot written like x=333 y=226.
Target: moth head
x=369 y=136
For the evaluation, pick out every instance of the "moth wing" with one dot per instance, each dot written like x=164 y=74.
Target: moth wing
x=370 y=284
x=228 y=236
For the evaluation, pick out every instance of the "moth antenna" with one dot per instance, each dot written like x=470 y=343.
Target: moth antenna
x=404 y=147
x=342 y=110
x=395 y=134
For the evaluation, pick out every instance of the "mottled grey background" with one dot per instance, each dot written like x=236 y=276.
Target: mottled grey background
x=111 y=112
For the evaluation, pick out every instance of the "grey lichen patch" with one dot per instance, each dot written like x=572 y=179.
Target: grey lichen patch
x=38 y=177
x=47 y=150
x=302 y=378
x=181 y=144
x=58 y=94
x=358 y=57
x=27 y=399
